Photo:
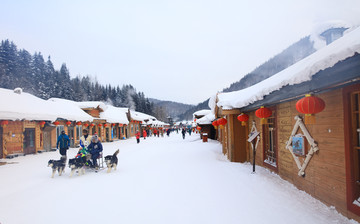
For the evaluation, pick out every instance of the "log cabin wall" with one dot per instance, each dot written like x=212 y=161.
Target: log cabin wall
x=13 y=138
x=325 y=177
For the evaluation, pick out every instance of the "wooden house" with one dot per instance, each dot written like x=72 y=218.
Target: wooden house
x=321 y=158
x=27 y=122
x=204 y=118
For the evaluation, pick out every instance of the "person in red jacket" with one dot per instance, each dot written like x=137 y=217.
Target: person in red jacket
x=144 y=134
x=137 y=135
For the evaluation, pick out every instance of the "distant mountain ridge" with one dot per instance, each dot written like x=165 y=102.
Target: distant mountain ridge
x=291 y=55
x=172 y=109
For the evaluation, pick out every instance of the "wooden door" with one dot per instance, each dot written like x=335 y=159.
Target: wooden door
x=240 y=139
x=29 y=141
x=71 y=136
x=47 y=140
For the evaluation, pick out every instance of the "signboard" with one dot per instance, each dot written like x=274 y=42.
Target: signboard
x=298 y=145
x=253 y=135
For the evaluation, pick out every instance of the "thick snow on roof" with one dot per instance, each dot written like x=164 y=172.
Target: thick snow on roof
x=138 y=116
x=92 y=104
x=115 y=115
x=302 y=71
x=201 y=112
x=207 y=119
x=24 y=106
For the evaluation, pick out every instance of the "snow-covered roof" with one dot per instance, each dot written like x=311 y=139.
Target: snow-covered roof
x=300 y=72
x=207 y=119
x=24 y=106
x=138 y=116
x=92 y=104
x=68 y=110
x=115 y=115
x=201 y=112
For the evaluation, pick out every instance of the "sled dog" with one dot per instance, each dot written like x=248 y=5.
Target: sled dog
x=57 y=165
x=77 y=164
x=111 y=161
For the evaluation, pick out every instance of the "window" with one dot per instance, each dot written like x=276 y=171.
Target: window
x=59 y=129
x=269 y=141
x=78 y=132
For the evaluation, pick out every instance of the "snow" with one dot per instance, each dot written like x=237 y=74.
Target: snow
x=161 y=180
x=115 y=115
x=92 y=104
x=201 y=112
x=138 y=116
x=302 y=71
x=207 y=119
x=24 y=106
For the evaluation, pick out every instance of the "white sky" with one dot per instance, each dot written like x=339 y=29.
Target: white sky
x=181 y=50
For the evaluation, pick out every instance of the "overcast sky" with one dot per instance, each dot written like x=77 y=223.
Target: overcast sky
x=181 y=50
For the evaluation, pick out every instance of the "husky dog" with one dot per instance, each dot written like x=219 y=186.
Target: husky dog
x=111 y=161
x=57 y=165
x=77 y=164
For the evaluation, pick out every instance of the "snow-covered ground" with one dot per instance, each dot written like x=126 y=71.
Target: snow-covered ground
x=161 y=180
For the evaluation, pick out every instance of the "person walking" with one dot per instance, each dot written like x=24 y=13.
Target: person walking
x=137 y=135
x=63 y=143
x=183 y=131
x=144 y=134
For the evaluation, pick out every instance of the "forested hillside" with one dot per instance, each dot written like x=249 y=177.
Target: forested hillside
x=18 y=68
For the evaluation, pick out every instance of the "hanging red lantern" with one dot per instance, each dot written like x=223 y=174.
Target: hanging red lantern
x=56 y=123
x=113 y=124
x=105 y=125
x=68 y=123
x=4 y=123
x=243 y=118
x=120 y=125
x=86 y=124
x=99 y=125
x=78 y=123
x=310 y=105
x=198 y=128
x=263 y=113
x=222 y=122
x=42 y=123
x=215 y=124
x=92 y=125
x=195 y=120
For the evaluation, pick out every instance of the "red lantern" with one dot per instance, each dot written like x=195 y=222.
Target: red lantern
x=215 y=124
x=99 y=125
x=198 y=128
x=42 y=123
x=243 y=118
x=92 y=125
x=113 y=124
x=78 y=123
x=310 y=105
x=222 y=122
x=56 y=123
x=68 y=123
x=263 y=112
x=4 y=123
x=105 y=125
x=120 y=125
x=86 y=124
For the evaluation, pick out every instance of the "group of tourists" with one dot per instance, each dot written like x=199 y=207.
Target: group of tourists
x=90 y=146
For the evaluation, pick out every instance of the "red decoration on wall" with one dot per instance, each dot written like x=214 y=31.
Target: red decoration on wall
x=56 y=123
x=4 y=123
x=263 y=113
x=86 y=124
x=215 y=124
x=68 y=123
x=222 y=122
x=99 y=125
x=105 y=125
x=92 y=125
x=42 y=123
x=310 y=105
x=78 y=123
x=243 y=118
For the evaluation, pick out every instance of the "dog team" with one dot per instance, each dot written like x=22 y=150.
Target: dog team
x=90 y=151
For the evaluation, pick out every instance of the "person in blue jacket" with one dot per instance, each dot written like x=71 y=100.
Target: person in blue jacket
x=95 y=148
x=63 y=142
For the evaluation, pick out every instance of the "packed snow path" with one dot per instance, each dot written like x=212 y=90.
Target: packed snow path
x=162 y=181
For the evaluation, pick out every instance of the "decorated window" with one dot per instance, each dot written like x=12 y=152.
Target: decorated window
x=269 y=138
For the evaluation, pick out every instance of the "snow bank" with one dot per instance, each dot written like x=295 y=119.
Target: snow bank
x=302 y=71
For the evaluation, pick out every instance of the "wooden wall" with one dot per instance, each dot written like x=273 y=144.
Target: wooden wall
x=325 y=177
